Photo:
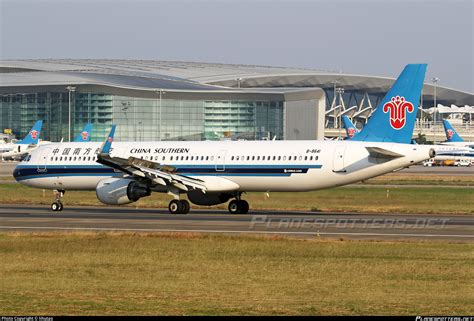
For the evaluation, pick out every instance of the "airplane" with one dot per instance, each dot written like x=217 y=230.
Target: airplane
x=351 y=130
x=453 y=138
x=22 y=147
x=214 y=172
x=444 y=151
x=85 y=134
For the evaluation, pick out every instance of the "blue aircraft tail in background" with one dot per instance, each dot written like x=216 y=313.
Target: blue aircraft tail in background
x=85 y=134
x=451 y=134
x=34 y=134
x=395 y=116
x=351 y=130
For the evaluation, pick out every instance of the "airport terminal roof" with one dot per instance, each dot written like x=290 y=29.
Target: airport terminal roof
x=195 y=76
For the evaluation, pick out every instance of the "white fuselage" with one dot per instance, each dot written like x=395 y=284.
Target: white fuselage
x=453 y=152
x=252 y=165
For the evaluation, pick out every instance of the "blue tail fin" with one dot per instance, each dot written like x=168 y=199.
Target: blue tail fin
x=107 y=144
x=351 y=130
x=34 y=134
x=394 y=118
x=85 y=134
x=451 y=134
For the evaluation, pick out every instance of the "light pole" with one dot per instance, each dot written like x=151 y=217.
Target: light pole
x=70 y=89
x=335 y=81
x=435 y=81
x=340 y=91
x=161 y=92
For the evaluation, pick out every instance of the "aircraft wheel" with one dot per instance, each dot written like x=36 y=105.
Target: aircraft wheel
x=60 y=207
x=234 y=207
x=55 y=206
x=244 y=207
x=185 y=207
x=175 y=207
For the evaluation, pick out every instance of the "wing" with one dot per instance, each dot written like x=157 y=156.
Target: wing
x=157 y=174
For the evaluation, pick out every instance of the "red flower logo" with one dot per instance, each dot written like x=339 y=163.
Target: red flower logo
x=398 y=107
x=34 y=134
x=85 y=135
x=351 y=132
x=450 y=133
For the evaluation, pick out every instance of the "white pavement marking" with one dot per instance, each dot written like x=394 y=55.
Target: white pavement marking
x=224 y=231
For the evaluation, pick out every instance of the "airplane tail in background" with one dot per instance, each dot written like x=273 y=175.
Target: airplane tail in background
x=451 y=134
x=394 y=118
x=33 y=136
x=351 y=130
x=85 y=134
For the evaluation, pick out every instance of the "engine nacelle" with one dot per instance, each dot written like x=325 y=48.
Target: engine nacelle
x=119 y=191
x=199 y=198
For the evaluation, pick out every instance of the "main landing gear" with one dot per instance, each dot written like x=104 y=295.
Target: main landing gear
x=57 y=206
x=238 y=206
x=179 y=207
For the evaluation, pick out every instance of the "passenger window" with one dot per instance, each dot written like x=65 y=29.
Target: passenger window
x=192 y=157
x=310 y=157
x=237 y=157
x=248 y=157
x=163 y=158
x=274 y=157
x=306 y=158
x=171 y=158
x=316 y=157
x=301 y=157
x=182 y=157
x=258 y=157
x=279 y=157
x=232 y=158
x=207 y=158
x=284 y=158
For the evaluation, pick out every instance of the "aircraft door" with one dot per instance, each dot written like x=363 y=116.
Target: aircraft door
x=338 y=160
x=220 y=161
x=43 y=159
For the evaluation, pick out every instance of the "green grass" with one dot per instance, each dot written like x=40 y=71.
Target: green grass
x=432 y=200
x=147 y=274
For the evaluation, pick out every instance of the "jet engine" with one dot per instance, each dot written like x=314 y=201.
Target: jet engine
x=199 y=198
x=119 y=191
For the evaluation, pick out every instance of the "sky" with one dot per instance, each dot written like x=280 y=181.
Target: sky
x=360 y=36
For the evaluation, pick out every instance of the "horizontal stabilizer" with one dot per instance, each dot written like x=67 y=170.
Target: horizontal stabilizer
x=379 y=152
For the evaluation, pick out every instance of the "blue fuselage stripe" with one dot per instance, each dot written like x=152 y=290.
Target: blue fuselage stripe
x=23 y=172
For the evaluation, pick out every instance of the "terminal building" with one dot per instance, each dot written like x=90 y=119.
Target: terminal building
x=165 y=100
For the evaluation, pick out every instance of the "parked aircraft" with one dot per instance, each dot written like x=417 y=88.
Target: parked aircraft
x=22 y=147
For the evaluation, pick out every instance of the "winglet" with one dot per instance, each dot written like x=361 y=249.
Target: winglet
x=105 y=148
x=451 y=134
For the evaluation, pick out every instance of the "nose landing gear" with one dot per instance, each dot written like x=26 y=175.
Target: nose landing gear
x=57 y=205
